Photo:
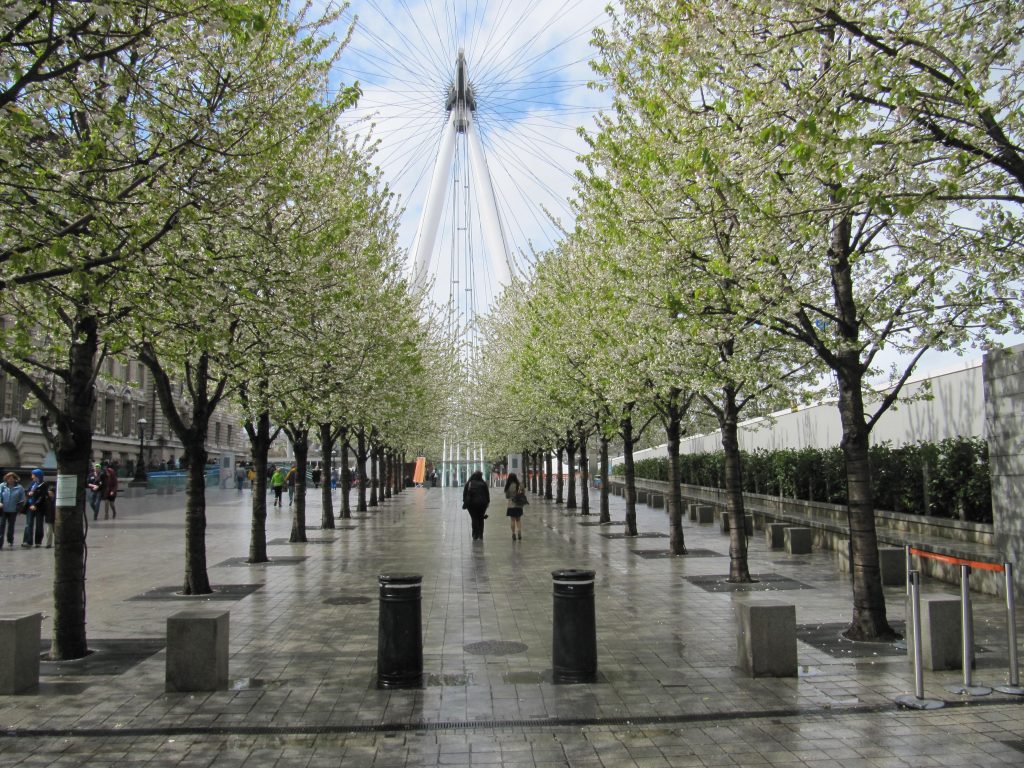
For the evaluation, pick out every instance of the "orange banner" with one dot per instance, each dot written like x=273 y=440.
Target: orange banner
x=420 y=473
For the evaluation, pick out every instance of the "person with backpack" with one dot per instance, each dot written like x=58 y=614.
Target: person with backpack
x=516 y=495
x=36 y=505
x=475 y=499
x=12 y=501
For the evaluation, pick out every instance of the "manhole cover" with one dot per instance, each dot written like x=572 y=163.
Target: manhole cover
x=495 y=648
x=347 y=600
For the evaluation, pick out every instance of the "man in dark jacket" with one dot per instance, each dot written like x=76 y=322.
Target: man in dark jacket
x=475 y=498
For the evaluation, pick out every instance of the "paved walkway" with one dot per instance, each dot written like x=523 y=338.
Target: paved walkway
x=304 y=643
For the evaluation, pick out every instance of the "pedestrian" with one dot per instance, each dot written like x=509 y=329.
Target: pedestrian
x=316 y=477
x=334 y=479
x=12 y=501
x=475 y=499
x=516 y=495
x=289 y=480
x=37 y=503
x=109 y=492
x=277 y=485
x=239 y=477
x=94 y=484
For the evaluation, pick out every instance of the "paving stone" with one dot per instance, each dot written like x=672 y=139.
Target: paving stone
x=304 y=640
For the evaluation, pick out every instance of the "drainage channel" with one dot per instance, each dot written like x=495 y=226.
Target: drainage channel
x=457 y=725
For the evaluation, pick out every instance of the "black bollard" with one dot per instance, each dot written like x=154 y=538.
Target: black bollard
x=573 y=628
x=399 y=632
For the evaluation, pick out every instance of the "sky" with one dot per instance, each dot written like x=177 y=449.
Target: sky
x=528 y=63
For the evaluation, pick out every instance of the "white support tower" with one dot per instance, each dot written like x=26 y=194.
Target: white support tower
x=460 y=145
x=461 y=106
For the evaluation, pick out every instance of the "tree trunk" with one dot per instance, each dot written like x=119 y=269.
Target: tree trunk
x=605 y=515
x=561 y=479
x=584 y=476
x=629 y=474
x=374 y=474
x=547 y=475
x=197 y=582
x=869 y=614
x=728 y=420
x=674 y=500
x=388 y=466
x=361 y=469
x=345 y=480
x=300 y=445
x=73 y=449
x=259 y=439
x=869 y=619
x=326 y=466
x=192 y=434
x=570 y=451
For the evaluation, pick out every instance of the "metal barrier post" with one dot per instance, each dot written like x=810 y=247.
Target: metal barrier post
x=966 y=687
x=907 y=569
x=1014 y=686
x=917 y=701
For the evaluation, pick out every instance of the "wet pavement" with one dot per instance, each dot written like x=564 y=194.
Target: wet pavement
x=303 y=651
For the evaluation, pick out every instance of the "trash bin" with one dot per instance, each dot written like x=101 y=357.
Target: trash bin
x=399 y=632
x=573 y=627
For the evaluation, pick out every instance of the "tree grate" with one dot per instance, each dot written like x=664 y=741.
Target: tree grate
x=282 y=542
x=828 y=638
x=244 y=561
x=656 y=554
x=638 y=536
x=597 y=523
x=766 y=582
x=220 y=592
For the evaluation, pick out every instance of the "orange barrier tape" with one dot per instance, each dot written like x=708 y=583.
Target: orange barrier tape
x=958 y=560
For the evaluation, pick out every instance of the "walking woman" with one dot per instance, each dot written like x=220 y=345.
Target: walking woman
x=516 y=496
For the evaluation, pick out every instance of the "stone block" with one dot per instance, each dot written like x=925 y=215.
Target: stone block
x=656 y=500
x=705 y=513
x=723 y=522
x=940 y=632
x=892 y=562
x=797 y=540
x=774 y=535
x=19 y=653
x=766 y=638
x=197 y=650
x=691 y=510
x=641 y=497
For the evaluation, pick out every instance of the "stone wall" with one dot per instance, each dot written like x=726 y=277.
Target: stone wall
x=1004 y=415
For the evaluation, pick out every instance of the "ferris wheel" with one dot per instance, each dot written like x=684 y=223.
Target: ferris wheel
x=476 y=106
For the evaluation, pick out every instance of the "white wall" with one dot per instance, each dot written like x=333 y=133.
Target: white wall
x=956 y=408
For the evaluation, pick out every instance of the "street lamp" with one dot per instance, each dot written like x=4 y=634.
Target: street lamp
x=140 y=465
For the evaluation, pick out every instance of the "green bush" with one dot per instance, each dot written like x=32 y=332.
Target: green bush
x=945 y=479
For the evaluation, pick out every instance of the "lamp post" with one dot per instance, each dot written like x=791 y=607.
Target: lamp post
x=140 y=465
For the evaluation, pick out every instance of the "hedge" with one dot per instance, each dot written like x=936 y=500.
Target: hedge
x=946 y=479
